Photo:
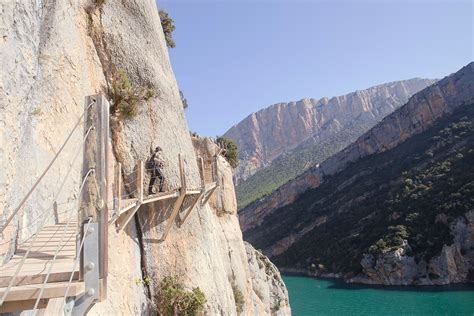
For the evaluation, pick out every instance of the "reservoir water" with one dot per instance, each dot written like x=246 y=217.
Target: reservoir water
x=309 y=296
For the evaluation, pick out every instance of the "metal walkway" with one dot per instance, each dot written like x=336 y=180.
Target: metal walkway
x=61 y=268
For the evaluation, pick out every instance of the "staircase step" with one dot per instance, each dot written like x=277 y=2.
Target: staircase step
x=29 y=292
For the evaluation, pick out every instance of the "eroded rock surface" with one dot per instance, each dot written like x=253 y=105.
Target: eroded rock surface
x=265 y=135
x=54 y=53
x=453 y=265
x=416 y=116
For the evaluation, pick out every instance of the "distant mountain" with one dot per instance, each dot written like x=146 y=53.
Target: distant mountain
x=278 y=143
x=394 y=207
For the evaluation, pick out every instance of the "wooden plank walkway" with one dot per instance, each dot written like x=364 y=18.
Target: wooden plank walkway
x=29 y=281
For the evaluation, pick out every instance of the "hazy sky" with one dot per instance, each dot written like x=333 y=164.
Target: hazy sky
x=236 y=57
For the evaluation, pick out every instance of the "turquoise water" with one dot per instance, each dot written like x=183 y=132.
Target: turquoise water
x=310 y=296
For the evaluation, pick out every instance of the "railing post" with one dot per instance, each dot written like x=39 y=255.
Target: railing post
x=179 y=201
x=140 y=177
x=56 y=213
x=119 y=189
x=201 y=169
x=94 y=196
x=215 y=177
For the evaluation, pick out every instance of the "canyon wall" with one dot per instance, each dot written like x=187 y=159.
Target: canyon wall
x=392 y=208
x=414 y=117
x=265 y=135
x=54 y=53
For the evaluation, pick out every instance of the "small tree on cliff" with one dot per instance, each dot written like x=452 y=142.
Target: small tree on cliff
x=231 y=152
x=183 y=99
x=167 y=24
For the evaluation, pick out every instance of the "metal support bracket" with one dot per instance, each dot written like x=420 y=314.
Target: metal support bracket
x=89 y=272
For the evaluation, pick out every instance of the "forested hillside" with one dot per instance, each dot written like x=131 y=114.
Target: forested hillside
x=408 y=197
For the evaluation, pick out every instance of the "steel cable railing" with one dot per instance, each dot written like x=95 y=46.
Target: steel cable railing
x=76 y=261
x=37 y=182
x=43 y=217
x=23 y=228
x=52 y=262
x=17 y=271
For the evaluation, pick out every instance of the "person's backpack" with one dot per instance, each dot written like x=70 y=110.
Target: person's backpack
x=155 y=164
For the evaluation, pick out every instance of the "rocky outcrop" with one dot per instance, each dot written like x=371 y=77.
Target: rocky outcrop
x=267 y=283
x=414 y=117
x=54 y=53
x=265 y=135
x=381 y=191
x=455 y=263
x=254 y=275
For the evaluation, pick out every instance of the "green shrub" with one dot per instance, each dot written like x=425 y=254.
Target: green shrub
x=238 y=297
x=231 y=151
x=36 y=112
x=174 y=299
x=167 y=24
x=183 y=100
x=125 y=96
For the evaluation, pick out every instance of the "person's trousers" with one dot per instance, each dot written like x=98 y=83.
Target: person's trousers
x=156 y=173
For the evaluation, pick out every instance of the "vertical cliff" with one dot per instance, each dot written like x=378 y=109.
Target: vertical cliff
x=265 y=135
x=394 y=207
x=53 y=54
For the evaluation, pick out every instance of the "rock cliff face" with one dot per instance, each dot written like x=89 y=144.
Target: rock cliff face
x=265 y=135
x=54 y=53
x=395 y=206
x=414 y=117
x=453 y=265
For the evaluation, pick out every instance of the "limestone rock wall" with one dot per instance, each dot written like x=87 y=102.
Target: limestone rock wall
x=252 y=273
x=265 y=135
x=413 y=118
x=53 y=54
x=453 y=265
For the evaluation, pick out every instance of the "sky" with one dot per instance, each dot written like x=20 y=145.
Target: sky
x=233 y=57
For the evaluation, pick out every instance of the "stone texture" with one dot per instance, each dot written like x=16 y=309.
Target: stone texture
x=265 y=135
x=53 y=53
x=453 y=265
x=414 y=117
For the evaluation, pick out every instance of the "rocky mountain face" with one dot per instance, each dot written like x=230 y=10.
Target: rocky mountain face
x=394 y=207
x=277 y=143
x=54 y=53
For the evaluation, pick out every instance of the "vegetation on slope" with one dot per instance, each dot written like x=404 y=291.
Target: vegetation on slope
x=288 y=166
x=412 y=192
x=231 y=152
x=168 y=26
x=126 y=97
x=174 y=299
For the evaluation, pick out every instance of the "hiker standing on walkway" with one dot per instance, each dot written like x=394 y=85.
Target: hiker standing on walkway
x=157 y=163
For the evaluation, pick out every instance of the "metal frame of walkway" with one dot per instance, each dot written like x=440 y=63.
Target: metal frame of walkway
x=63 y=267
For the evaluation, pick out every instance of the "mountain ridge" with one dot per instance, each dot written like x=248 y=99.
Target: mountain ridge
x=419 y=115
x=297 y=128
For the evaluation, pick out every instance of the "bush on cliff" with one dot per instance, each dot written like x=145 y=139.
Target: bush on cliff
x=167 y=24
x=125 y=96
x=231 y=151
x=174 y=299
x=238 y=298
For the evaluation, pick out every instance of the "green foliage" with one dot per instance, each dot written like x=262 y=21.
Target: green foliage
x=146 y=281
x=288 y=166
x=238 y=298
x=358 y=218
x=183 y=100
x=167 y=24
x=231 y=151
x=174 y=299
x=100 y=3
x=36 y=112
x=125 y=97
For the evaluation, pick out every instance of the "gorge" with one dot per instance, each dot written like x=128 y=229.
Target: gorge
x=394 y=207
